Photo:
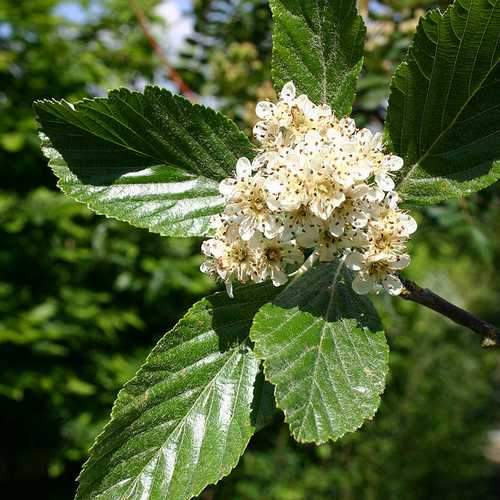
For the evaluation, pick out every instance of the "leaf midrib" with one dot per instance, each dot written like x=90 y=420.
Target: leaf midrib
x=317 y=34
x=327 y=315
x=236 y=351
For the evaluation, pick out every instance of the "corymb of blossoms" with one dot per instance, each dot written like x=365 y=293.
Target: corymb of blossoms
x=318 y=187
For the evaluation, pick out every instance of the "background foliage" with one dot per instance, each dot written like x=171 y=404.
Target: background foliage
x=83 y=299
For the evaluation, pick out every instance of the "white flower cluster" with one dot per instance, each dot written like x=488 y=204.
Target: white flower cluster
x=318 y=186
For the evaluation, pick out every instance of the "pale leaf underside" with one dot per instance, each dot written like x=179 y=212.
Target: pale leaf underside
x=151 y=159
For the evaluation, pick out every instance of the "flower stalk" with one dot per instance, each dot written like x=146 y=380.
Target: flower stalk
x=490 y=334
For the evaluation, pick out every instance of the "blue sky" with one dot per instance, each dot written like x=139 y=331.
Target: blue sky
x=175 y=12
x=76 y=13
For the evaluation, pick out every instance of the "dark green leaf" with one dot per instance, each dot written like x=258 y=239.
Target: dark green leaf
x=444 y=113
x=163 y=199
x=150 y=159
x=319 y=45
x=185 y=419
x=324 y=349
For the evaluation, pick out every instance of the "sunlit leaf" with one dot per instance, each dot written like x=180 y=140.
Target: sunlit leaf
x=185 y=419
x=319 y=45
x=324 y=349
x=151 y=159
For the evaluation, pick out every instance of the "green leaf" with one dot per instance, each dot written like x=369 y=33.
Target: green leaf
x=163 y=199
x=185 y=419
x=319 y=45
x=324 y=349
x=151 y=159
x=444 y=113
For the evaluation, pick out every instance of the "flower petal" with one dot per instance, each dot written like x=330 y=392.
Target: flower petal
x=227 y=187
x=265 y=110
x=243 y=168
x=375 y=194
x=384 y=182
x=229 y=288
x=408 y=224
x=401 y=262
x=279 y=277
x=359 y=219
x=336 y=226
x=393 y=163
x=260 y=131
x=288 y=92
x=363 y=286
x=392 y=284
x=247 y=228
x=355 y=261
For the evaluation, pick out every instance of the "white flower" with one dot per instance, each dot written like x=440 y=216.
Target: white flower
x=248 y=208
x=302 y=226
x=272 y=257
x=229 y=260
x=390 y=223
x=384 y=169
x=347 y=172
x=354 y=212
x=286 y=188
x=325 y=195
x=317 y=184
x=369 y=143
x=327 y=247
x=265 y=131
x=308 y=109
x=229 y=187
x=330 y=247
x=377 y=270
x=348 y=126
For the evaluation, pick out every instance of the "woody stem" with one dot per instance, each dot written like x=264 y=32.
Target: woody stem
x=490 y=334
x=171 y=72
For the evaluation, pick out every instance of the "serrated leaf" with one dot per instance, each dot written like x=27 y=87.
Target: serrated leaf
x=319 y=45
x=324 y=349
x=444 y=113
x=163 y=199
x=151 y=159
x=185 y=419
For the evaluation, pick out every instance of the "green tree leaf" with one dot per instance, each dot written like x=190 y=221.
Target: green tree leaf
x=163 y=199
x=319 y=45
x=150 y=159
x=324 y=349
x=185 y=419
x=444 y=114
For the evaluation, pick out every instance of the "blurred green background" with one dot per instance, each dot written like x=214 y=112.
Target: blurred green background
x=83 y=298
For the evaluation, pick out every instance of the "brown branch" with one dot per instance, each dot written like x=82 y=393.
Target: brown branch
x=172 y=74
x=490 y=334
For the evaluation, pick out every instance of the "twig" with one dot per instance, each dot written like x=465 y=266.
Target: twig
x=490 y=334
x=172 y=74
